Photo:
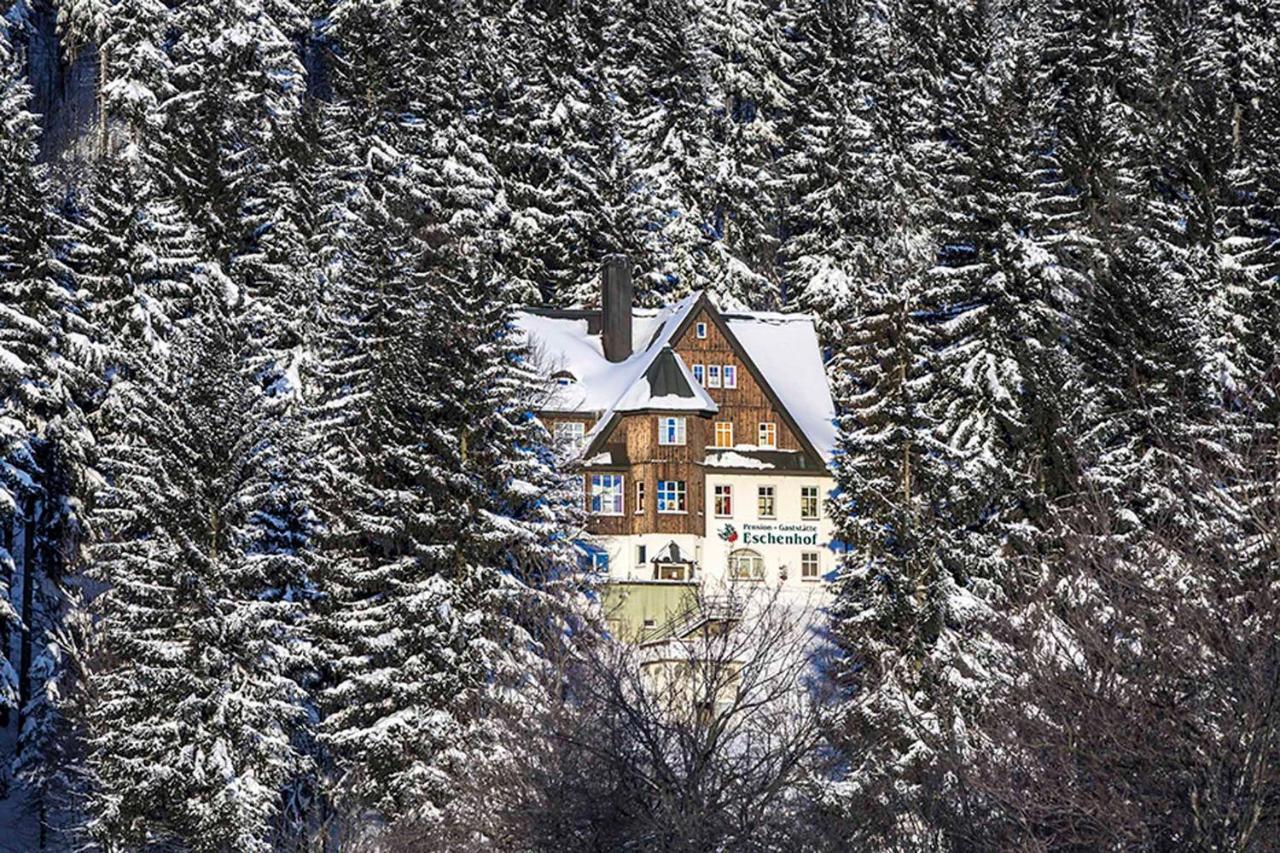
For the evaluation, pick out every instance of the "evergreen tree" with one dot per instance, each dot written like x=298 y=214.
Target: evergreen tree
x=748 y=99
x=191 y=707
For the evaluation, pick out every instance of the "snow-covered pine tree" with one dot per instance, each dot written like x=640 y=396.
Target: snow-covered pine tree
x=748 y=99
x=47 y=351
x=1234 y=128
x=998 y=304
x=558 y=155
x=658 y=68
x=829 y=145
x=26 y=321
x=894 y=595
x=133 y=255
x=191 y=708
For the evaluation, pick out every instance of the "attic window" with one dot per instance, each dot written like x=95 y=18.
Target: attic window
x=701 y=330
x=564 y=377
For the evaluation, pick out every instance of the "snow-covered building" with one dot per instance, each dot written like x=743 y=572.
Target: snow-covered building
x=704 y=438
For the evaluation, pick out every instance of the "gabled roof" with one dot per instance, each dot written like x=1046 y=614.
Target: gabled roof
x=667 y=385
x=781 y=350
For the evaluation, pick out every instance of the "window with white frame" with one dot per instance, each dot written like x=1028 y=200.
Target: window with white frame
x=730 y=376
x=724 y=433
x=570 y=431
x=809 y=566
x=723 y=501
x=701 y=330
x=765 y=506
x=670 y=430
x=639 y=497
x=746 y=565
x=768 y=435
x=713 y=376
x=606 y=494
x=809 y=506
x=671 y=496
x=697 y=373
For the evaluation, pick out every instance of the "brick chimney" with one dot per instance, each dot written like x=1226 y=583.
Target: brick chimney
x=615 y=308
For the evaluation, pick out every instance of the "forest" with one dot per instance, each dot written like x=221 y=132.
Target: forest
x=289 y=562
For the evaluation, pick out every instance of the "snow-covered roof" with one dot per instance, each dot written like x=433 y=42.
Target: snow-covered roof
x=783 y=348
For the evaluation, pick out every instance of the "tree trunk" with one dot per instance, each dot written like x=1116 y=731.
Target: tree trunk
x=28 y=588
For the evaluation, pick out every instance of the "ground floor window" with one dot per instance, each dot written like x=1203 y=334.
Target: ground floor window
x=808 y=502
x=671 y=496
x=745 y=564
x=809 y=566
x=765 y=502
x=673 y=571
x=723 y=501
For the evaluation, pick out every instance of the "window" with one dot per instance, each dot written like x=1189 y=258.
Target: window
x=606 y=494
x=724 y=433
x=701 y=330
x=639 y=498
x=764 y=502
x=697 y=373
x=746 y=565
x=642 y=555
x=671 y=571
x=713 y=376
x=564 y=377
x=809 y=566
x=570 y=431
x=730 y=376
x=600 y=561
x=768 y=435
x=670 y=430
x=723 y=501
x=808 y=502
x=671 y=495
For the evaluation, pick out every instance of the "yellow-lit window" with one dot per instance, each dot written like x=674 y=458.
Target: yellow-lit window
x=768 y=435
x=724 y=433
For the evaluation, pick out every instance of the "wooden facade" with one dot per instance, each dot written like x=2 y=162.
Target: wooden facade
x=746 y=406
x=634 y=450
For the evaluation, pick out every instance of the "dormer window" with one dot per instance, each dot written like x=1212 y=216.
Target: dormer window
x=700 y=330
x=564 y=377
